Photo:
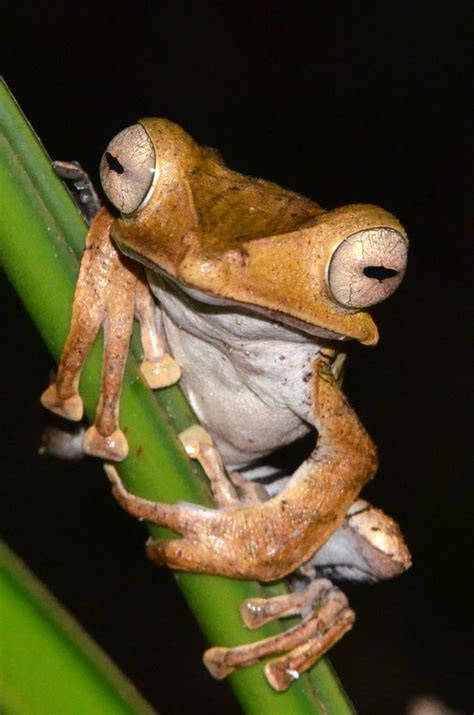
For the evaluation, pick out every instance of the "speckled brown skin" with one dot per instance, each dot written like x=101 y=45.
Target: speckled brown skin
x=111 y=290
x=266 y=541
x=270 y=540
x=246 y=242
x=325 y=616
x=242 y=238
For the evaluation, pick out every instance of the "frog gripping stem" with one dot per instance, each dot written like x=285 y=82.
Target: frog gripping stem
x=110 y=291
x=325 y=615
x=245 y=290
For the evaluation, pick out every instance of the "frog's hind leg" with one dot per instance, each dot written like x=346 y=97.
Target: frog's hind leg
x=325 y=615
x=322 y=606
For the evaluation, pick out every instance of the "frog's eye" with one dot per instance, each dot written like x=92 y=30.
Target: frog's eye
x=367 y=267
x=127 y=169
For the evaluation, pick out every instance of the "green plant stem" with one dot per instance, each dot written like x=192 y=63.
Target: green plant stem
x=42 y=648
x=38 y=242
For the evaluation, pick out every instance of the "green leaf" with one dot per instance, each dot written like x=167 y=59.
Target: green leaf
x=48 y=665
x=40 y=237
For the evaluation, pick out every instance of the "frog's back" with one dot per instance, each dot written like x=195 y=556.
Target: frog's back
x=200 y=202
x=233 y=208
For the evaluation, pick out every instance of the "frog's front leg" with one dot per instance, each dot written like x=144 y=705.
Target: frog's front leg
x=158 y=367
x=105 y=296
x=110 y=290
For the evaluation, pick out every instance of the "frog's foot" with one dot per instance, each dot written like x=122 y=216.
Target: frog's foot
x=200 y=527
x=325 y=615
x=70 y=407
x=178 y=517
x=161 y=372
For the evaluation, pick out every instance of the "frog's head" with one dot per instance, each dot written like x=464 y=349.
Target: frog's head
x=318 y=271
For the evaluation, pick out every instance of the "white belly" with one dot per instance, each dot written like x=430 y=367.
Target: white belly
x=246 y=377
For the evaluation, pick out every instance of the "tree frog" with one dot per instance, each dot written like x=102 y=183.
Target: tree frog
x=246 y=294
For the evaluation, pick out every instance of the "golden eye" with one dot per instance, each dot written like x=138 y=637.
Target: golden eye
x=367 y=267
x=127 y=169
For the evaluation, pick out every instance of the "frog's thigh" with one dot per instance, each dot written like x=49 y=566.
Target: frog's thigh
x=326 y=617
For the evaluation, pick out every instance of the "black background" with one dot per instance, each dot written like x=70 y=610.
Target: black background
x=343 y=103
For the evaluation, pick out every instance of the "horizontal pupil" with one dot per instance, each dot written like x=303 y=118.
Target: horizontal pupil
x=379 y=273
x=114 y=164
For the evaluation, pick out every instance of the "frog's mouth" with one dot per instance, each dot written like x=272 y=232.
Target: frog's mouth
x=302 y=326
x=201 y=300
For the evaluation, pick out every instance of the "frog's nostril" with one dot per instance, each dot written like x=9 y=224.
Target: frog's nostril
x=379 y=273
x=113 y=163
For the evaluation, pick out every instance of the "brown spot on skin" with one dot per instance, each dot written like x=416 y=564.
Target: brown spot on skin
x=307 y=377
x=139 y=451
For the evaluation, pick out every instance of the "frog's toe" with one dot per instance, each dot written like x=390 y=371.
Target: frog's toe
x=113 y=446
x=215 y=661
x=160 y=373
x=71 y=408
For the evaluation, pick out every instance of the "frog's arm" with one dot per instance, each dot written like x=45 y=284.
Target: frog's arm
x=111 y=289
